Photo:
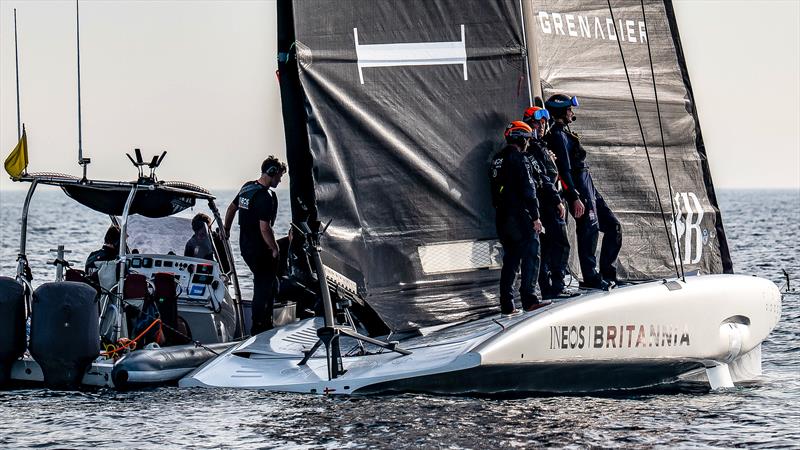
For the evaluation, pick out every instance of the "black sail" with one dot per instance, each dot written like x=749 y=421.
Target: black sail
x=393 y=109
x=405 y=103
x=579 y=54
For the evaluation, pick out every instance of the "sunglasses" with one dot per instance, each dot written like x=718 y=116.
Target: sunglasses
x=573 y=101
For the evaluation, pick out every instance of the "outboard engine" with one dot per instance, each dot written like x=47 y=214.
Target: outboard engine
x=12 y=325
x=64 y=332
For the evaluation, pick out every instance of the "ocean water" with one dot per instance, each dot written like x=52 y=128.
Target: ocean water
x=763 y=230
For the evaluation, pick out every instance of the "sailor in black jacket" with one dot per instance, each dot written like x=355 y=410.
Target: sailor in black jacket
x=578 y=185
x=109 y=251
x=554 y=240
x=517 y=217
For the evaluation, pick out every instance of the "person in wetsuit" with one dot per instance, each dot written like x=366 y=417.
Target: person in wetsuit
x=517 y=217
x=199 y=245
x=257 y=206
x=580 y=188
x=109 y=251
x=554 y=240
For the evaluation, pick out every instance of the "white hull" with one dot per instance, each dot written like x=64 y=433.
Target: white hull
x=708 y=329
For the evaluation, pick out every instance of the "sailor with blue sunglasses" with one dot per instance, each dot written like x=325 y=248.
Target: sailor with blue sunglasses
x=591 y=212
x=554 y=241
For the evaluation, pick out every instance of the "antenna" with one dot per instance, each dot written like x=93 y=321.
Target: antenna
x=83 y=162
x=139 y=163
x=16 y=61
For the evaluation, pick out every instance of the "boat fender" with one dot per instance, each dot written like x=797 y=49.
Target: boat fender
x=64 y=332
x=12 y=325
x=153 y=365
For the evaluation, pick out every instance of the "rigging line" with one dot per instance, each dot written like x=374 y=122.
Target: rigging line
x=663 y=147
x=644 y=140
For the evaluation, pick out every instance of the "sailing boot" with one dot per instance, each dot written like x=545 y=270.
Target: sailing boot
x=596 y=282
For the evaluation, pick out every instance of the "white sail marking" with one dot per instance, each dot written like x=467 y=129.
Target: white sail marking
x=687 y=226
x=411 y=54
x=460 y=256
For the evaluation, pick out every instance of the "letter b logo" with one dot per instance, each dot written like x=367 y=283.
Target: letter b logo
x=687 y=220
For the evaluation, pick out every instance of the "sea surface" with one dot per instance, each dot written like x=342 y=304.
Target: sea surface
x=763 y=229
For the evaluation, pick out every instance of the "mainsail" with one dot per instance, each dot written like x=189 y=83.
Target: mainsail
x=405 y=103
x=577 y=43
x=392 y=110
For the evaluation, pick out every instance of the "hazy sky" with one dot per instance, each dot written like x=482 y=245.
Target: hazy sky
x=197 y=78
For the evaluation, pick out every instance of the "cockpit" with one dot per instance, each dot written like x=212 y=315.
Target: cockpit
x=156 y=245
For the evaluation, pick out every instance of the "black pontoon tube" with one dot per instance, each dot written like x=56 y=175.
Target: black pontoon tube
x=162 y=365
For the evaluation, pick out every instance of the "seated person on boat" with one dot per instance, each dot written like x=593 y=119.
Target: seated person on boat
x=199 y=245
x=108 y=252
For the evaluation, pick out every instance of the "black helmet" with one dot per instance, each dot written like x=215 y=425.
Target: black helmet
x=559 y=103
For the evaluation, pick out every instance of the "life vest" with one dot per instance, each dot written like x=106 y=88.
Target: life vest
x=248 y=192
x=274 y=198
x=578 y=153
x=535 y=170
x=546 y=162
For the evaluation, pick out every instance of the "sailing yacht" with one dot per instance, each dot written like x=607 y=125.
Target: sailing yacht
x=392 y=111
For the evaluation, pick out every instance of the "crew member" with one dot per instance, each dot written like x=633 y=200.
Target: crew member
x=554 y=241
x=257 y=205
x=578 y=184
x=199 y=245
x=109 y=251
x=517 y=217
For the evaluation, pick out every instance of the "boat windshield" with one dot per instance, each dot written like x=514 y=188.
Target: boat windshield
x=162 y=236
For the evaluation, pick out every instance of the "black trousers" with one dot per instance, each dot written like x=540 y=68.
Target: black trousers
x=520 y=248
x=265 y=289
x=555 y=254
x=588 y=228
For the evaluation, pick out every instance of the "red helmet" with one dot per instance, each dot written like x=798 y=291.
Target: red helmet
x=518 y=130
x=535 y=113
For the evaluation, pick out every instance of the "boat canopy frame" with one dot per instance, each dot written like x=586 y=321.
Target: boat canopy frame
x=128 y=192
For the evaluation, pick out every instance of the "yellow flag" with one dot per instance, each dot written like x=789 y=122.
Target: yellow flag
x=17 y=161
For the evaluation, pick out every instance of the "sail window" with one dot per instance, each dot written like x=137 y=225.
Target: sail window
x=460 y=256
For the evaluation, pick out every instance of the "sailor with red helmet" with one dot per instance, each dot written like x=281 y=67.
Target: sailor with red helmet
x=554 y=241
x=517 y=217
x=580 y=191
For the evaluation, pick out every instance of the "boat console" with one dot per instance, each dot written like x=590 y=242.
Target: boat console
x=198 y=280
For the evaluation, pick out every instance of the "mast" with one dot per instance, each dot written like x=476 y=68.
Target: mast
x=531 y=47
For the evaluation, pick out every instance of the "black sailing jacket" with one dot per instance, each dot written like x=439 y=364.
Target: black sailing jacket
x=570 y=159
x=512 y=180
